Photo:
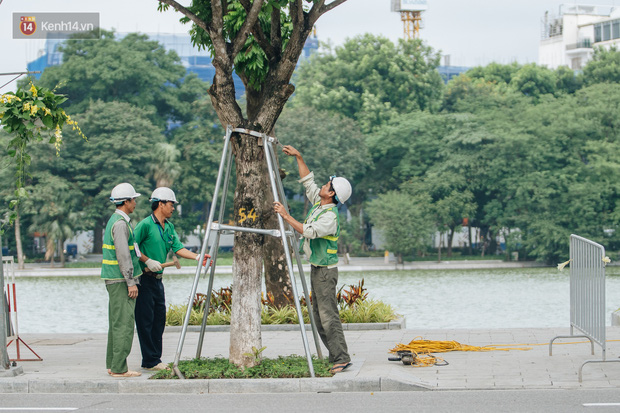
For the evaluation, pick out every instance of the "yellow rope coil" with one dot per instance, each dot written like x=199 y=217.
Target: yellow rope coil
x=419 y=345
x=421 y=349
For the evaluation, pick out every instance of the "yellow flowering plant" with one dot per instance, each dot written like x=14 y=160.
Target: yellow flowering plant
x=26 y=114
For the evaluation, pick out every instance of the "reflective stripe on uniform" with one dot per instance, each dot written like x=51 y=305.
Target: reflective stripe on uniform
x=109 y=262
x=112 y=247
x=330 y=238
x=332 y=251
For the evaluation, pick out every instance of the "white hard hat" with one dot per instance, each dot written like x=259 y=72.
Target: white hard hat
x=163 y=194
x=342 y=187
x=122 y=192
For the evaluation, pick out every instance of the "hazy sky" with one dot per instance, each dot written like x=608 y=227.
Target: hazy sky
x=472 y=32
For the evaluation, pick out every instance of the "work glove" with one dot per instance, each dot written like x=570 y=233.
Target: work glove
x=154 y=266
x=204 y=259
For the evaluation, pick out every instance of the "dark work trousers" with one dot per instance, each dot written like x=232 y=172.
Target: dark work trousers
x=150 y=319
x=325 y=310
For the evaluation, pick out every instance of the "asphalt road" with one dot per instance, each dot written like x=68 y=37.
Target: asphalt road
x=606 y=400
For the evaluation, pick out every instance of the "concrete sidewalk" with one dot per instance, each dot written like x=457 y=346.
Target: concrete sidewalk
x=74 y=363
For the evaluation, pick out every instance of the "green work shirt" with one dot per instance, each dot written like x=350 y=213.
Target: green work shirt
x=154 y=241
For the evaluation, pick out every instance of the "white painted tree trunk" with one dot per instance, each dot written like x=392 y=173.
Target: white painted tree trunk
x=245 y=320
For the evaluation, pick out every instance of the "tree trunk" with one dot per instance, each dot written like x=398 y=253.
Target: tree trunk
x=98 y=239
x=439 y=247
x=245 y=321
x=18 y=241
x=62 y=253
x=470 y=248
x=277 y=280
x=50 y=249
x=483 y=238
x=450 y=239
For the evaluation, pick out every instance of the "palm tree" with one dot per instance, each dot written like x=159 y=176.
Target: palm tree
x=168 y=169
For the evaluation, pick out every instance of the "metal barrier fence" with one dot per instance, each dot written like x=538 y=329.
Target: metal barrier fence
x=587 y=295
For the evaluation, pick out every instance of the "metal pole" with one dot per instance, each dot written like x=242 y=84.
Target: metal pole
x=214 y=251
x=287 y=253
x=203 y=250
x=4 y=355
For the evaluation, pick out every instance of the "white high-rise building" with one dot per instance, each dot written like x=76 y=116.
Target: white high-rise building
x=569 y=38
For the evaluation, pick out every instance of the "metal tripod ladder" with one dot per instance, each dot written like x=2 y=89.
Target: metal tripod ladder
x=286 y=234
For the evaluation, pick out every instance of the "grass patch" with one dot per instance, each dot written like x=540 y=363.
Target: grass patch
x=283 y=367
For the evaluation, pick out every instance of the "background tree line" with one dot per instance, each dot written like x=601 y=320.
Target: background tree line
x=519 y=150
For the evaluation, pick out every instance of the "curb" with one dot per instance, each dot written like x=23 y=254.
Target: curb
x=11 y=372
x=212 y=386
x=398 y=324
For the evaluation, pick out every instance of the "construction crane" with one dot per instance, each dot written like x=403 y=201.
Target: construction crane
x=411 y=16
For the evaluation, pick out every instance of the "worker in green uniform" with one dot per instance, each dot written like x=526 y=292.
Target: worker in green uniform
x=320 y=231
x=156 y=237
x=120 y=269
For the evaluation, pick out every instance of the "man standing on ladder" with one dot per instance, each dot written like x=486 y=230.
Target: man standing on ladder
x=120 y=270
x=320 y=231
x=156 y=236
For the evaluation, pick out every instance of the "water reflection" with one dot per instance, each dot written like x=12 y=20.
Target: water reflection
x=502 y=298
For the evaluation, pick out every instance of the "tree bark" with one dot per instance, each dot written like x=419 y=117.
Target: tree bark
x=245 y=321
x=98 y=238
x=62 y=253
x=450 y=239
x=277 y=280
x=18 y=241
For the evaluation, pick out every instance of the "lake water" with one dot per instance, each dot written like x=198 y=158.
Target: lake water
x=500 y=298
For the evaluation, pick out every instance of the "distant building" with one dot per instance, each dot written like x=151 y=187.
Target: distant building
x=448 y=72
x=195 y=61
x=569 y=38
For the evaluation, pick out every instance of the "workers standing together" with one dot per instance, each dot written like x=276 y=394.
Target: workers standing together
x=132 y=268
x=320 y=231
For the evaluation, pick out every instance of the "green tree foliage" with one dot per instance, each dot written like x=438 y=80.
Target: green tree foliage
x=370 y=79
x=475 y=95
x=119 y=149
x=52 y=207
x=482 y=89
x=200 y=144
x=451 y=202
x=133 y=69
x=534 y=81
x=403 y=218
x=604 y=66
x=495 y=73
x=331 y=144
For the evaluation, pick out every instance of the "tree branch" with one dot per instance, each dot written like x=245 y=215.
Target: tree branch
x=258 y=33
x=244 y=32
x=328 y=7
x=217 y=30
x=200 y=23
x=276 y=31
